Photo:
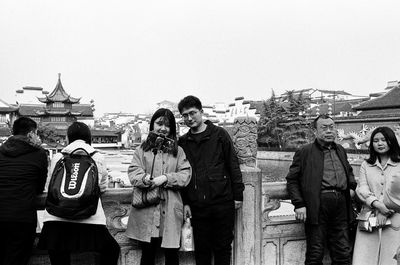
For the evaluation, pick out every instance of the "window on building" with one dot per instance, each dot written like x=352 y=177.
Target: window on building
x=58 y=119
x=36 y=119
x=58 y=105
x=3 y=118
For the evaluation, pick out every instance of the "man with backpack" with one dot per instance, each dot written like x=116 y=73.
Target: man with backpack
x=23 y=173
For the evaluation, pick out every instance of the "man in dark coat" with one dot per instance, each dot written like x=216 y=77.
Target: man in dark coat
x=320 y=184
x=215 y=188
x=23 y=173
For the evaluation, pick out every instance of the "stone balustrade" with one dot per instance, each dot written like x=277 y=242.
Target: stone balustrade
x=259 y=239
x=283 y=239
x=116 y=204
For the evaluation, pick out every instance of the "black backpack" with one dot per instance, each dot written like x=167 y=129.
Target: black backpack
x=74 y=190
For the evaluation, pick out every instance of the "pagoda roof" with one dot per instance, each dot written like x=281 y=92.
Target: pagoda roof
x=7 y=108
x=388 y=100
x=380 y=113
x=59 y=95
x=41 y=110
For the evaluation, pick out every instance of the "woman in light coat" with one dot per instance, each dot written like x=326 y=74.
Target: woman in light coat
x=159 y=225
x=379 y=189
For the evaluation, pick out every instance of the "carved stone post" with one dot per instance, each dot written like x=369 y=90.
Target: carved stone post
x=248 y=226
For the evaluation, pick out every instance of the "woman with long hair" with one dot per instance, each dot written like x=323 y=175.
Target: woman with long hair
x=159 y=164
x=379 y=189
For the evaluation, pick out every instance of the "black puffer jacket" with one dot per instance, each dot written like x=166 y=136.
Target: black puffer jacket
x=216 y=175
x=23 y=173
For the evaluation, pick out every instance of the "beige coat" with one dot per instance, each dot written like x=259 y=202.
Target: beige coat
x=381 y=183
x=178 y=172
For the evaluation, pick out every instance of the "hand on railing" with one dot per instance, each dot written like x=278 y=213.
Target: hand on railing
x=301 y=214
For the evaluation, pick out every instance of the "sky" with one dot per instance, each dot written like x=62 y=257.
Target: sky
x=129 y=55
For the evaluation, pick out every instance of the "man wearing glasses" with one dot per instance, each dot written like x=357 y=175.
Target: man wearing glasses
x=216 y=186
x=320 y=184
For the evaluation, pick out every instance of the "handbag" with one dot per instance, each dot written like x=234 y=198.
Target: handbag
x=145 y=197
x=187 y=240
x=367 y=220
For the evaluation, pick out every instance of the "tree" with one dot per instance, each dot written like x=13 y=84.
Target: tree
x=297 y=131
x=269 y=130
x=48 y=134
x=281 y=124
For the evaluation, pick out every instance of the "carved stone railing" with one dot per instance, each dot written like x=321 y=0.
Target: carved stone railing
x=283 y=241
x=116 y=204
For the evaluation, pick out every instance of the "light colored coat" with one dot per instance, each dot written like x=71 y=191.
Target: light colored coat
x=178 y=172
x=377 y=182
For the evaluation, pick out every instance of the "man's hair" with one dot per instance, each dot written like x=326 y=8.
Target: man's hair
x=322 y=116
x=79 y=131
x=23 y=125
x=189 y=102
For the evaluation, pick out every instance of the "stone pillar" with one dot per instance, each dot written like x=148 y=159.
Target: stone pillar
x=248 y=226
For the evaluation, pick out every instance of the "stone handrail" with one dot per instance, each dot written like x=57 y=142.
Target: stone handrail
x=116 y=204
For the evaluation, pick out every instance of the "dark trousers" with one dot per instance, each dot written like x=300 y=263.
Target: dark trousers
x=213 y=233
x=149 y=251
x=16 y=241
x=332 y=230
x=108 y=255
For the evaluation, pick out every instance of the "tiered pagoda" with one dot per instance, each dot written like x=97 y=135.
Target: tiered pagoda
x=58 y=111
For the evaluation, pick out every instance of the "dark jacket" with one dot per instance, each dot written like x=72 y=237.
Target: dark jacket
x=216 y=175
x=23 y=173
x=305 y=177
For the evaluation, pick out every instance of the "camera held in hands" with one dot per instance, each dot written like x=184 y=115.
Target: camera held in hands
x=159 y=142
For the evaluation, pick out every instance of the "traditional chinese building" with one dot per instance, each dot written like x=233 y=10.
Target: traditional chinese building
x=383 y=110
x=59 y=109
x=8 y=113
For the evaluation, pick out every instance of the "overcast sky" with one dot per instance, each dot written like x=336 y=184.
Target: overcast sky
x=129 y=55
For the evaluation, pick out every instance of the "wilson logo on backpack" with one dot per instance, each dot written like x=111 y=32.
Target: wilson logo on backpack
x=74 y=191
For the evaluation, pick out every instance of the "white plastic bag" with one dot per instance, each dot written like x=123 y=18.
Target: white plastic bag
x=187 y=240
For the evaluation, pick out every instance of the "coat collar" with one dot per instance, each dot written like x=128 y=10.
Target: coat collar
x=388 y=163
x=317 y=143
x=206 y=133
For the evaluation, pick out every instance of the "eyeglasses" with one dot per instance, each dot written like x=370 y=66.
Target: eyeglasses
x=191 y=114
x=330 y=127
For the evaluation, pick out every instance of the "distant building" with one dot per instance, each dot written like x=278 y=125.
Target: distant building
x=383 y=106
x=8 y=113
x=58 y=110
x=166 y=104
x=322 y=95
x=340 y=108
x=383 y=110
x=111 y=119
